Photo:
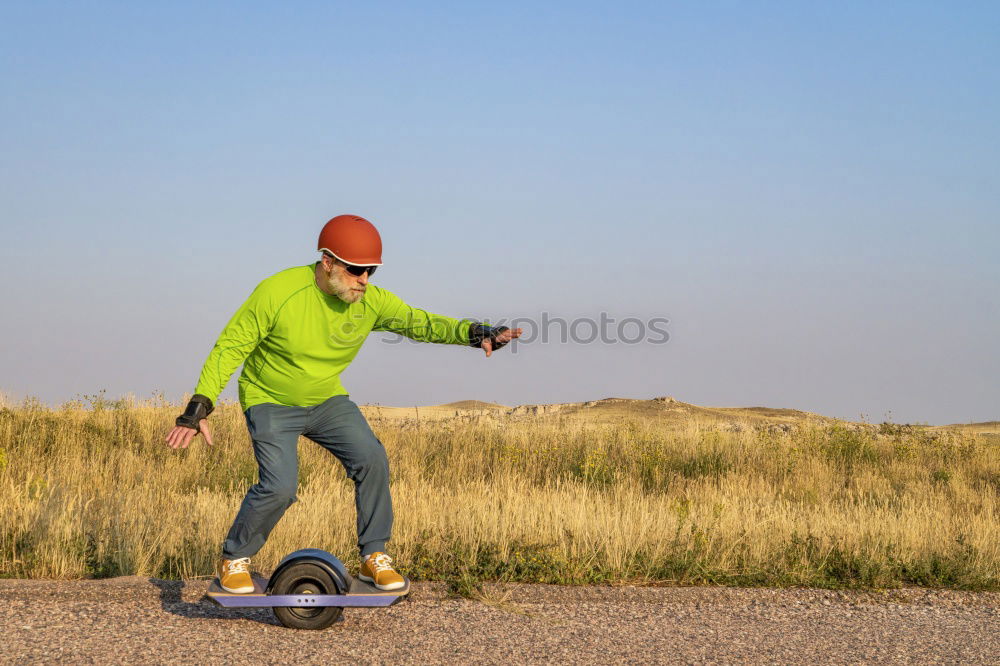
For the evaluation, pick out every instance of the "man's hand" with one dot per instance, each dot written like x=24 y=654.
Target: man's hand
x=181 y=436
x=502 y=338
x=191 y=422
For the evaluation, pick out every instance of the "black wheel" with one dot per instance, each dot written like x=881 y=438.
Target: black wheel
x=305 y=578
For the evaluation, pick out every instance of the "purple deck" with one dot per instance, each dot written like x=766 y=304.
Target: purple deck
x=361 y=595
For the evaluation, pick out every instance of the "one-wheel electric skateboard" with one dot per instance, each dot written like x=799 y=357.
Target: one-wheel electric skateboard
x=309 y=589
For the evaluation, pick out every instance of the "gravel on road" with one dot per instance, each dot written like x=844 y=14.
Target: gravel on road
x=145 y=620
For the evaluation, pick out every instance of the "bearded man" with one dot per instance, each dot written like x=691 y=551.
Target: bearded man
x=294 y=335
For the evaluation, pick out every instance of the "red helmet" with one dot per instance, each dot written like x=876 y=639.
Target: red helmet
x=352 y=239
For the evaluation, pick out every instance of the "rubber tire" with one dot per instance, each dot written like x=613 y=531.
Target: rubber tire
x=306 y=578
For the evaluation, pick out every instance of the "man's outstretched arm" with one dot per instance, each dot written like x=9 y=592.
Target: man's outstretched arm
x=397 y=317
x=242 y=334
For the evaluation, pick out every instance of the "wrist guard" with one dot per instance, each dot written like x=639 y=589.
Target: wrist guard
x=479 y=332
x=199 y=407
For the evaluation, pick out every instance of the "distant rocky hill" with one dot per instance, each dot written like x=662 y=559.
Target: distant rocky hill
x=474 y=404
x=665 y=411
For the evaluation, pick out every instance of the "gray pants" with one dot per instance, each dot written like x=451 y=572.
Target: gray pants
x=338 y=426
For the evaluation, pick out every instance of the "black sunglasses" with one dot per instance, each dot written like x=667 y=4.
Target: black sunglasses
x=358 y=271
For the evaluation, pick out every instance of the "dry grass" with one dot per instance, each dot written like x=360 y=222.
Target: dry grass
x=92 y=491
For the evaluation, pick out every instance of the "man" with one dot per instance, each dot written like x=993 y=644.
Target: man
x=294 y=336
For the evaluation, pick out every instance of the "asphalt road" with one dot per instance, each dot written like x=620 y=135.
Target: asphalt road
x=140 y=620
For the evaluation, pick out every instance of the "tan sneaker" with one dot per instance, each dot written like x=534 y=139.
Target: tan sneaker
x=234 y=575
x=377 y=568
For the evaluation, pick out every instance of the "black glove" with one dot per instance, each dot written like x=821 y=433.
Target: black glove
x=479 y=332
x=199 y=407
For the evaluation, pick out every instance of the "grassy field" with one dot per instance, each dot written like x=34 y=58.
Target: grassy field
x=92 y=491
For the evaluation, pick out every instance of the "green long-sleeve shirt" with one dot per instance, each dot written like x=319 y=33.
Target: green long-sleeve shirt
x=294 y=340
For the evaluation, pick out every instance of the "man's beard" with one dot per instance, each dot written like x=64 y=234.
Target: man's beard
x=342 y=290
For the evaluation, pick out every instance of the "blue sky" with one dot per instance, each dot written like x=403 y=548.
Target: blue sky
x=809 y=192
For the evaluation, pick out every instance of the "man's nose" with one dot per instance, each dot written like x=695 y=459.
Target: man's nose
x=363 y=278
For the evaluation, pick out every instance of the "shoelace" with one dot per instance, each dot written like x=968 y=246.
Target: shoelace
x=241 y=565
x=381 y=562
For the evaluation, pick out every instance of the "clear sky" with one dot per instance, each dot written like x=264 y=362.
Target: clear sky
x=809 y=192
